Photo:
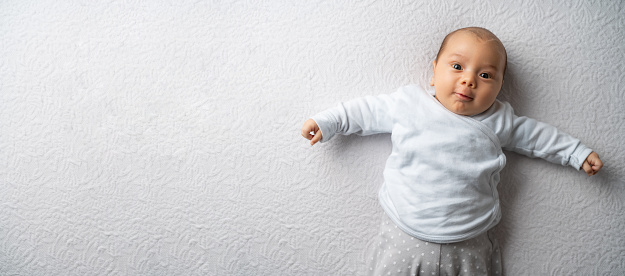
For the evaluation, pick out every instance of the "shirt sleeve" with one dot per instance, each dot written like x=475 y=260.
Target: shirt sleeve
x=363 y=116
x=537 y=139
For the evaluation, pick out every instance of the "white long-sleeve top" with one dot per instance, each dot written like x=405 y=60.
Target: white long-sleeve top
x=440 y=181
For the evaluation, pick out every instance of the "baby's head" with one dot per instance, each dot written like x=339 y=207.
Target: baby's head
x=468 y=70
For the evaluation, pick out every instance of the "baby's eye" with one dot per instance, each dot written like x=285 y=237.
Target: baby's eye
x=485 y=75
x=457 y=66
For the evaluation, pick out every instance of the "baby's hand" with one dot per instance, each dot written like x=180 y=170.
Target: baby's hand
x=311 y=126
x=593 y=164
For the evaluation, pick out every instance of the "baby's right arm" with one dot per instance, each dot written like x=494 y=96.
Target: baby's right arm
x=363 y=116
x=310 y=126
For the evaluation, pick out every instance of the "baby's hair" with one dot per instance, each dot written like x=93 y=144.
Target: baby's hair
x=482 y=34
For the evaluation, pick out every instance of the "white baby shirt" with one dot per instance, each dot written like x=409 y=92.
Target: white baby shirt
x=440 y=181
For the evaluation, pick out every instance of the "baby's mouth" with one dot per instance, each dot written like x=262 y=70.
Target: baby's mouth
x=463 y=97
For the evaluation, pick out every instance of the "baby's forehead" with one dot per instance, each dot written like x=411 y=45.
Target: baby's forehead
x=483 y=39
x=477 y=37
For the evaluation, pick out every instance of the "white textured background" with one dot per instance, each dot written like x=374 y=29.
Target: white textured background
x=151 y=138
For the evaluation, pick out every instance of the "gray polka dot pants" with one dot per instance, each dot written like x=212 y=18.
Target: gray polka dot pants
x=396 y=253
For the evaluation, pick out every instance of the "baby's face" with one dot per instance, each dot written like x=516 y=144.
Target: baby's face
x=468 y=74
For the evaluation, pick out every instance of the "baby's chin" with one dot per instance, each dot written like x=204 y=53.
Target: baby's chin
x=471 y=108
x=462 y=108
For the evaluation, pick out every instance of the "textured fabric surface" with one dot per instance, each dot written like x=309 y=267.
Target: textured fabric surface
x=154 y=138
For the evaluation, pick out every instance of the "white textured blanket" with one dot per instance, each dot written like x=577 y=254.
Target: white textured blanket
x=152 y=138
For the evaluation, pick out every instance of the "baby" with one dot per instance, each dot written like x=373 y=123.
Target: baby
x=439 y=191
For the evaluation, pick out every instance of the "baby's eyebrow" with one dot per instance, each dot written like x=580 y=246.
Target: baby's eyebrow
x=491 y=66
x=459 y=56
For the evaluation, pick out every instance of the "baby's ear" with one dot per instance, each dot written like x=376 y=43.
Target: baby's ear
x=433 y=67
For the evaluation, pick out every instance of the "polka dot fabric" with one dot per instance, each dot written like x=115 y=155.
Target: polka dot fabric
x=396 y=253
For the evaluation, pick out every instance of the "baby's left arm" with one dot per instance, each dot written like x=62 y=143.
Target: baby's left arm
x=592 y=164
x=532 y=138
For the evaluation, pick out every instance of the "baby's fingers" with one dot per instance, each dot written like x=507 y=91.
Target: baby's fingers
x=308 y=127
x=311 y=131
x=594 y=163
x=306 y=133
x=586 y=167
x=316 y=138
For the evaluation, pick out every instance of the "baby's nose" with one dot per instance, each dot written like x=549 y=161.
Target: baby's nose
x=469 y=80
